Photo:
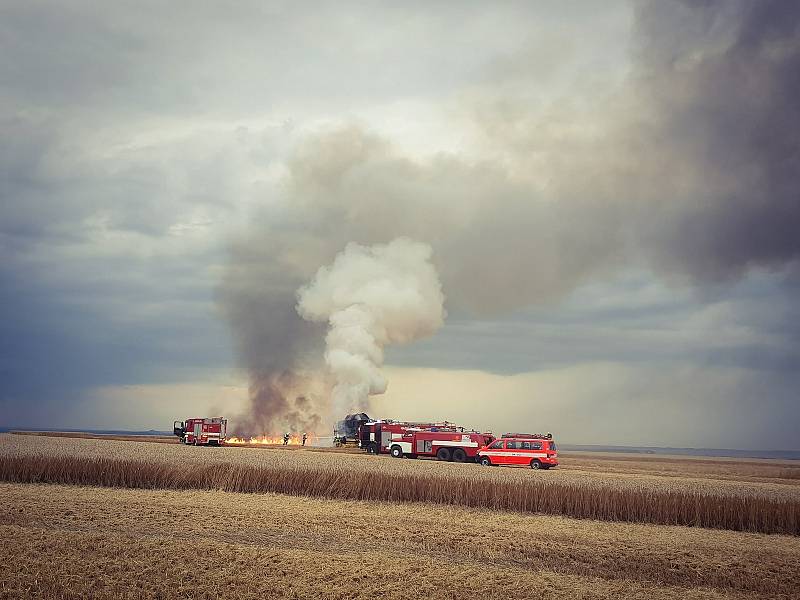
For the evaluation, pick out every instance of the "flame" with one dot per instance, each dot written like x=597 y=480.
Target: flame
x=270 y=440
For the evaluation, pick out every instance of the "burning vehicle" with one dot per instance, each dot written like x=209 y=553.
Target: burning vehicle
x=347 y=430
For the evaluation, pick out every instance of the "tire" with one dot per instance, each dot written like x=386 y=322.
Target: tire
x=535 y=464
x=486 y=461
x=396 y=452
x=459 y=455
x=443 y=454
x=372 y=448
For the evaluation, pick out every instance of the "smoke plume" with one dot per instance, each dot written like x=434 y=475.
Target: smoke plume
x=371 y=297
x=690 y=167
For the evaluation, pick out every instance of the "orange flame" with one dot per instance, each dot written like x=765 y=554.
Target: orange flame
x=268 y=440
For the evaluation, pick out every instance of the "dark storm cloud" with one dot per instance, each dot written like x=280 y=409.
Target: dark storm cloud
x=60 y=338
x=721 y=83
x=632 y=321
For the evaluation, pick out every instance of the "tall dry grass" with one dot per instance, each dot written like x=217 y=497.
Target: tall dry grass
x=644 y=505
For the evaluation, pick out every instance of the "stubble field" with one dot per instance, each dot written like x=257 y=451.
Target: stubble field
x=84 y=541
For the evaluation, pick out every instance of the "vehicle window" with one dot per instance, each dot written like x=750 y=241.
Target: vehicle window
x=512 y=445
x=552 y=445
x=526 y=445
x=536 y=445
x=497 y=444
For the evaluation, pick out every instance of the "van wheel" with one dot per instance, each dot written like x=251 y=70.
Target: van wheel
x=396 y=452
x=535 y=464
x=459 y=455
x=443 y=454
x=485 y=461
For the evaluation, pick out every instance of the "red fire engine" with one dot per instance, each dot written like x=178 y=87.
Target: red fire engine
x=530 y=449
x=210 y=431
x=375 y=436
x=458 y=446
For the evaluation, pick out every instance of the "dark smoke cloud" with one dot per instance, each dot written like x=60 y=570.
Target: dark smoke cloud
x=721 y=83
x=272 y=342
x=695 y=175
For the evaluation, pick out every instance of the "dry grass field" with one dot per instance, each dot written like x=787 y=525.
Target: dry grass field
x=74 y=542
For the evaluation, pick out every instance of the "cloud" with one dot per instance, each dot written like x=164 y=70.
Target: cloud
x=718 y=81
x=154 y=162
x=660 y=404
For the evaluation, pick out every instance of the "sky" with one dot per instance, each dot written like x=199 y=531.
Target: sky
x=609 y=191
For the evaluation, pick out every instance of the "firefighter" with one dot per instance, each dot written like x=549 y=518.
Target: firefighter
x=286 y=439
x=305 y=437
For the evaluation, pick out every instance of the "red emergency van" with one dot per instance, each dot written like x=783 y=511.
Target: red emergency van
x=534 y=450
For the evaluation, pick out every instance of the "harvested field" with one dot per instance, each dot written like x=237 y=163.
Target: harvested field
x=156 y=439
x=720 y=468
x=286 y=547
x=768 y=508
x=171 y=439
x=592 y=464
x=353 y=526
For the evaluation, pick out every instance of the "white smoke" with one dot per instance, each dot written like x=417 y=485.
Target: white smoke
x=371 y=296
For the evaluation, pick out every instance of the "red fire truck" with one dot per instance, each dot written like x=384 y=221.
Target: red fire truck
x=202 y=432
x=535 y=450
x=375 y=436
x=458 y=446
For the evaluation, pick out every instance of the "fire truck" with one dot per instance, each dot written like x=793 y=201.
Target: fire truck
x=375 y=436
x=449 y=445
x=536 y=450
x=202 y=432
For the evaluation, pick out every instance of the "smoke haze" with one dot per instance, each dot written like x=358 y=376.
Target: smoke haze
x=689 y=167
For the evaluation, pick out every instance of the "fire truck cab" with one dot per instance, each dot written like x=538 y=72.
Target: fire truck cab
x=202 y=432
x=530 y=449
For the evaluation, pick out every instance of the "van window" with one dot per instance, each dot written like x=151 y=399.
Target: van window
x=511 y=445
x=497 y=444
x=552 y=445
x=526 y=445
x=536 y=445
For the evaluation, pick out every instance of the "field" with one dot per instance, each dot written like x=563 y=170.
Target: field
x=375 y=540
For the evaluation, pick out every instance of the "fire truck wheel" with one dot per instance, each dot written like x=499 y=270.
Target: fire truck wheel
x=535 y=464
x=372 y=448
x=396 y=452
x=443 y=454
x=459 y=455
x=485 y=461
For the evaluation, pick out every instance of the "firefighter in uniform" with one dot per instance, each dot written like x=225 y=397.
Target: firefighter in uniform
x=305 y=437
x=286 y=439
